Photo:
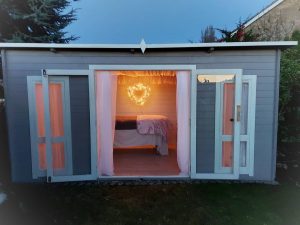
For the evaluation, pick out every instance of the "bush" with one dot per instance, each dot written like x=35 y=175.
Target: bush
x=289 y=103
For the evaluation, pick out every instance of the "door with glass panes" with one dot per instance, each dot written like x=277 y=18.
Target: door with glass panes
x=215 y=125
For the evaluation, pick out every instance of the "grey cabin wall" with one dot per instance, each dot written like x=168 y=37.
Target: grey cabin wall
x=22 y=63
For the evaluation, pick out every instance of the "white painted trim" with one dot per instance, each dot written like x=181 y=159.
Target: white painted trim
x=275 y=44
x=52 y=72
x=45 y=85
x=252 y=79
x=93 y=125
x=31 y=80
x=193 y=133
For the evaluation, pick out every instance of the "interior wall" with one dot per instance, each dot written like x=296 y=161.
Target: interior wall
x=162 y=101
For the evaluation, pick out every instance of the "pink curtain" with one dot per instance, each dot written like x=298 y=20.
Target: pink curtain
x=183 y=121
x=106 y=96
x=56 y=121
x=228 y=114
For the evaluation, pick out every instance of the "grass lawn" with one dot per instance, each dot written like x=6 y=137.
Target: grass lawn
x=155 y=204
x=201 y=204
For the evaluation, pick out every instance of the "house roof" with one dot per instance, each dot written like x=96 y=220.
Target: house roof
x=261 y=13
x=152 y=47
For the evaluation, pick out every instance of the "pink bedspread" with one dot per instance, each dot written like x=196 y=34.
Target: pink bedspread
x=153 y=124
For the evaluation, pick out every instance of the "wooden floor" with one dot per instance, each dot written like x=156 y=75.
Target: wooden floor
x=145 y=161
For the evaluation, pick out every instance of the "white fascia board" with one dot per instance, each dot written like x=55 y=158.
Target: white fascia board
x=150 y=46
x=56 y=46
x=226 y=44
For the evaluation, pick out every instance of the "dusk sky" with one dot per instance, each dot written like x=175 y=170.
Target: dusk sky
x=157 y=21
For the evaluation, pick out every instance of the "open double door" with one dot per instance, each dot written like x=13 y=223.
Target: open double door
x=222 y=124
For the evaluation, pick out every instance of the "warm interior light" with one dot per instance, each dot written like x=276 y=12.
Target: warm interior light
x=139 y=93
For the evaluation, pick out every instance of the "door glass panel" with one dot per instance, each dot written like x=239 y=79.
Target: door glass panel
x=244 y=108
x=58 y=154
x=39 y=98
x=42 y=156
x=227 y=147
x=243 y=154
x=57 y=125
x=215 y=108
x=228 y=108
x=56 y=110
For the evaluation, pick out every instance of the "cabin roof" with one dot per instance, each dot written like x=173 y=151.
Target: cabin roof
x=152 y=47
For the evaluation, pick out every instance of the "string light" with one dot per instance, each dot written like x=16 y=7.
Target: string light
x=139 y=93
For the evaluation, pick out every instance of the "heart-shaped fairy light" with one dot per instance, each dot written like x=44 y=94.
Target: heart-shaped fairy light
x=139 y=93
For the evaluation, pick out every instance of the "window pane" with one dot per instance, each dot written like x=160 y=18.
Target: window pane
x=228 y=110
x=56 y=110
x=244 y=108
x=243 y=154
x=39 y=98
x=227 y=154
x=58 y=156
x=42 y=156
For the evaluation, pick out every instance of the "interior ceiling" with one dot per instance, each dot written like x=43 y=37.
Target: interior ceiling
x=136 y=73
x=151 y=77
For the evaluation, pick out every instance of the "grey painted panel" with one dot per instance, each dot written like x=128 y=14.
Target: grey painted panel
x=254 y=62
x=108 y=59
x=80 y=123
x=205 y=133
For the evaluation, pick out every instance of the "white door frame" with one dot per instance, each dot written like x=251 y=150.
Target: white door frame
x=93 y=68
x=238 y=82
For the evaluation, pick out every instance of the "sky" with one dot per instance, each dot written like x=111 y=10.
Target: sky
x=156 y=21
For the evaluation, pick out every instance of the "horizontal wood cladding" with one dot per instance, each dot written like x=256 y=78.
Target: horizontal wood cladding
x=20 y=64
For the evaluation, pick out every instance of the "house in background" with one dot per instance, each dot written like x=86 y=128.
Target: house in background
x=277 y=21
x=153 y=111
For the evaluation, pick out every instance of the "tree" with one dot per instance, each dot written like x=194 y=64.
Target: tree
x=208 y=35
x=289 y=99
x=238 y=35
x=35 y=21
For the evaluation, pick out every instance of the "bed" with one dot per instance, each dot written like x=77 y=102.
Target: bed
x=140 y=130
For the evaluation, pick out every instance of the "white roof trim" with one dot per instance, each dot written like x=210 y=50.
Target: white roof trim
x=150 y=46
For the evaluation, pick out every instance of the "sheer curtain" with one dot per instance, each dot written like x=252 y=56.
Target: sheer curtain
x=183 y=121
x=106 y=93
